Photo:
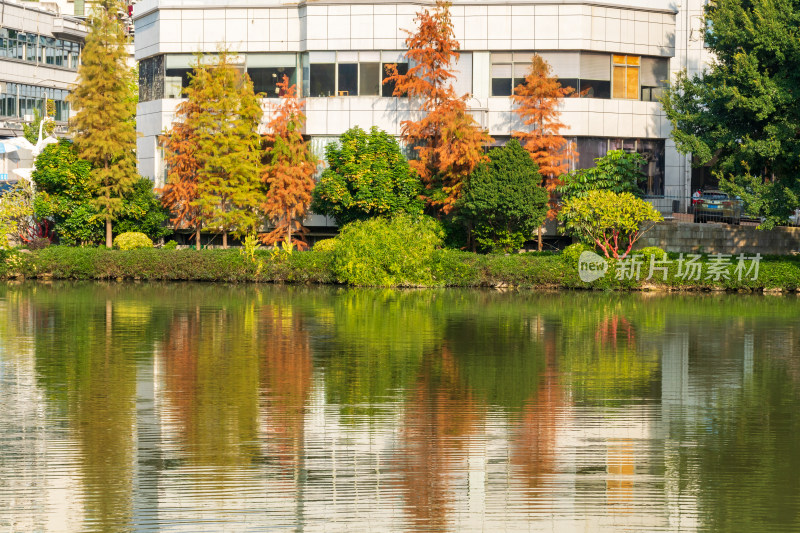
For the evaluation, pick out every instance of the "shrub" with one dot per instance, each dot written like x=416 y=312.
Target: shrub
x=170 y=245
x=325 y=245
x=652 y=250
x=132 y=240
x=572 y=253
x=503 y=201
x=388 y=252
x=607 y=219
x=617 y=171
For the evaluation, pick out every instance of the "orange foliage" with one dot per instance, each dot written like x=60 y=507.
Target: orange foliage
x=181 y=158
x=448 y=141
x=537 y=105
x=289 y=172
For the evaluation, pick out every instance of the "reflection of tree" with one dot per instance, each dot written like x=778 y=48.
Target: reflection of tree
x=211 y=374
x=533 y=442
x=86 y=338
x=440 y=414
x=373 y=344
x=286 y=369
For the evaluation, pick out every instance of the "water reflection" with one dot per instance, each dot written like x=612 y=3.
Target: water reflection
x=205 y=407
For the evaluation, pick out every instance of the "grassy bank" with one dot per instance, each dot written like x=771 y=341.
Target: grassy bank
x=448 y=268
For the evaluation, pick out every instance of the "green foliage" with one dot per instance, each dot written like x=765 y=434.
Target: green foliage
x=64 y=194
x=771 y=201
x=367 y=176
x=65 y=191
x=503 y=200
x=228 y=189
x=572 y=253
x=142 y=211
x=325 y=245
x=607 y=219
x=31 y=131
x=132 y=240
x=741 y=114
x=170 y=245
x=618 y=171
x=653 y=251
x=103 y=129
x=388 y=252
x=16 y=210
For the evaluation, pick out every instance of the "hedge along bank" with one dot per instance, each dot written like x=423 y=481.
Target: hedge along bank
x=449 y=268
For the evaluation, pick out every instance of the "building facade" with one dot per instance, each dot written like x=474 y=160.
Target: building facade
x=619 y=54
x=39 y=56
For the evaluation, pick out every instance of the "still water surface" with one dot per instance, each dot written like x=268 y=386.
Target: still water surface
x=146 y=407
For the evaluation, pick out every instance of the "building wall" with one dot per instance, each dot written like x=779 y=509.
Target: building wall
x=638 y=27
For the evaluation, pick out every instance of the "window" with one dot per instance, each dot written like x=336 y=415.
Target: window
x=369 y=83
x=595 y=75
x=348 y=79
x=591 y=148
x=267 y=70
x=626 y=76
x=654 y=78
x=509 y=70
x=388 y=88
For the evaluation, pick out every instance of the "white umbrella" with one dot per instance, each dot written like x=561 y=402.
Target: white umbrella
x=24 y=173
x=13 y=144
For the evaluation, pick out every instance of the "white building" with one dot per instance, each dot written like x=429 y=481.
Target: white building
x=39 y=56
x=622 y=53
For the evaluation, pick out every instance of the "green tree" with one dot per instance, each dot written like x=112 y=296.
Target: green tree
x=228 y=147
x=608 y=220
x=367 y=176
x=142 y=212
x=103 y=130
x=617 y=171
x=31 y=131
x=503 y=200
x=64 y=193
x=742 y=114
x=16 y=212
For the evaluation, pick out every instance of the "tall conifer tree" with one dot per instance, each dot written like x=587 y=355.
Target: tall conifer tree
x=103 y=128
x=448 y=141
x=289 y=172
x=228 y=148
x=182 y=159
x=537 y=105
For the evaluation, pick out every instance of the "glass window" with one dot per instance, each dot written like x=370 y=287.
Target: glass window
x=501 y=79
x=348 y=79
x=388 y=87
x=653 y=152
x=369 y=81
x=654 y=77
x=322 y=79
x=266 y=79
x=626 y=76
x=175 y=81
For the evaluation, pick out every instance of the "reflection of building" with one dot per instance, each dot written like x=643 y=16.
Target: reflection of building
x=39 y=56
x=618 y=54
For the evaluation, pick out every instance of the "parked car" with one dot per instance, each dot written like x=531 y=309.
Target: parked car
x=717 y=205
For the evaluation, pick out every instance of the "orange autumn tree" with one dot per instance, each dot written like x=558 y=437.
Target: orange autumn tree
x=447 y=140
x=537 y=103
x=289 y=172
x=181 y=158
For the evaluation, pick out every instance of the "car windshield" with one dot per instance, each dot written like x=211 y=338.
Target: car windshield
x=715 y=196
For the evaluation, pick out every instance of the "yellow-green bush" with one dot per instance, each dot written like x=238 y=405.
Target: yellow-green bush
x=132 y=240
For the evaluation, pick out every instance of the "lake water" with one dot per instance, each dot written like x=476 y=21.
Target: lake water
x=193 y=407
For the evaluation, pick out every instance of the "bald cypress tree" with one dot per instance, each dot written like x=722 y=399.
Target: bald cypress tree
x=104 y=129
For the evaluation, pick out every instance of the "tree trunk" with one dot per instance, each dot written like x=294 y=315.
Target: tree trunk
x=109 y=242
x=224 y=240
x=197 y=238
x=539 y=239
x=288 y=230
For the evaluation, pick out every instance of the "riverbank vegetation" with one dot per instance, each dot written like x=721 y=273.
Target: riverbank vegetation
x=423 y=266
